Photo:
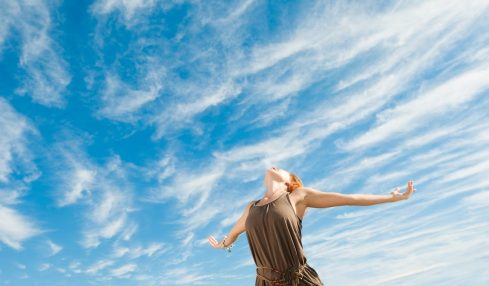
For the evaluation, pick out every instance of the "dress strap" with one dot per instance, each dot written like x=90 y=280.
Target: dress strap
x=291 y=276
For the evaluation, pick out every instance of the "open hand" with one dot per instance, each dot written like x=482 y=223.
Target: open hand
x=214 y=243
x=406 y=195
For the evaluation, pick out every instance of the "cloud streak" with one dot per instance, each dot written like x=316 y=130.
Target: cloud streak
x=15 y=228
x=16 y=173
x=108 y=202
x=46 y=74
x=185 y=104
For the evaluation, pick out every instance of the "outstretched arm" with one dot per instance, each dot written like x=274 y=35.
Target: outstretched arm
x=236 y=230
x=316 y=199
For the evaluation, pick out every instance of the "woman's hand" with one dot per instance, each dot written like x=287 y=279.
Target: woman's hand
x=396 y=194
x=214 y=243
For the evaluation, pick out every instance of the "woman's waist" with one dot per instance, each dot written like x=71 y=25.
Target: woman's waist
x=282 y=275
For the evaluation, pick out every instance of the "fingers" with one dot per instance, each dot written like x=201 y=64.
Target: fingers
x=214 y=243
x=410 y=188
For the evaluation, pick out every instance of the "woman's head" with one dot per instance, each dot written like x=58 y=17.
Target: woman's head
x=276 y=176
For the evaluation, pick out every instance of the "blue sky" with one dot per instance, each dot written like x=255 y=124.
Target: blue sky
x=132 y=130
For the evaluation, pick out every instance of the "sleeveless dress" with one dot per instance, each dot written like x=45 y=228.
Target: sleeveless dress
x=274 y=234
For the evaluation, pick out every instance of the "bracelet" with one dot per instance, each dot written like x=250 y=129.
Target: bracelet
x=227 y=248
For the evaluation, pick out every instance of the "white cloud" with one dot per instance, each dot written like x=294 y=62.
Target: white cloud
x=120 y=251
x=128 y=8
x=121 y=101
x=355 y=242
x=323 y=42
x=183 y=112
x=123 y=271
x=241 y=8
x=107 y=217
x=15 y=156
x=75 y=267
x=190 y=184
x=186 y=276
x=446 y=98
x=13 y=143
x=108 y=201
x=81 y=182
x=15 y=228
x=477 y=200
x=356 y=69
x=99 y=265
x=55 y=248
x=129 y=231
x=46 y=74
x=20 y=266
x=138 y=251
x=382 y=236
x=338 y=113
x=44 y=267
x=192 y=189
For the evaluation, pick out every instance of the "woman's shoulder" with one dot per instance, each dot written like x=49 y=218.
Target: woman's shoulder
x=299 y=194
x=252 y=203
x=300 y=191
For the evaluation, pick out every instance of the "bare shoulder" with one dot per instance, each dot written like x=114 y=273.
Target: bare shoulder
x=301 y=195
x=240 y=225
x=248 y=207
x=307 y=191
x=298 y=195
x=246 y=210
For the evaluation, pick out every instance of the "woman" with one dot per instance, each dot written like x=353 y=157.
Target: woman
x=273 y=226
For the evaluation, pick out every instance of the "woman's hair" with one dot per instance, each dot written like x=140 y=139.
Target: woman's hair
x=295 y=183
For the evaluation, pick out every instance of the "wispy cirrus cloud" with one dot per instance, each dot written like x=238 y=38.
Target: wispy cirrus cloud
x=354 y=97
x=44 y=267
x=123 y=102
x=55 y=248
x=17 y=171
x=124 y=270
x=45 y=74
x=15 y=228
x=99 y=265
x=128 y=9
x=449 y=97
x=388 y=84
x=14 y=153
x=108 y=202
x=307 y=58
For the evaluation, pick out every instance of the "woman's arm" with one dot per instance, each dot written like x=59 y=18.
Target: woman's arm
x=236 y=230
x=316 y=199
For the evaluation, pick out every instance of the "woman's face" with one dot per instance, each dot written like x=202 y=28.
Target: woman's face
x=276 y=176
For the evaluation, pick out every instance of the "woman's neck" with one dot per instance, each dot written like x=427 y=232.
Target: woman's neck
x=272 y=194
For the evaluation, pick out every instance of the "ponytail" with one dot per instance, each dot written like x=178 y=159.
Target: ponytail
x=295 y=183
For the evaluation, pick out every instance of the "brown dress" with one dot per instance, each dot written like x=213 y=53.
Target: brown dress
x=274 y=235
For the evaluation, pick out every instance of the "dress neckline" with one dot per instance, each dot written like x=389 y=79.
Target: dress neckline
x=255 y=204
